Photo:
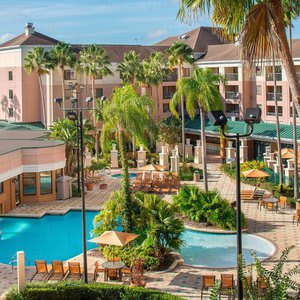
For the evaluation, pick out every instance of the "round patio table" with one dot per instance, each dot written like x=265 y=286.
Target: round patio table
x=114 y=265
x=272 y=200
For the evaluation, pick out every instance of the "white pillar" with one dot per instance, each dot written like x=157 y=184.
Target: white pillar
x=141 y=161
x=198 y=153
x=230 y=151
x=158 y=146
x=21 y=271
x=271 y=161
x=188 y=148
x=289 y=171
x=164 y=158
x=114 y=157
x=244 y=150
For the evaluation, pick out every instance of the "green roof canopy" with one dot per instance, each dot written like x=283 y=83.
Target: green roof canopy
x=21 y=126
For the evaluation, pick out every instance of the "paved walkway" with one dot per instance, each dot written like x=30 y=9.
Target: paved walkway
x=183 y=280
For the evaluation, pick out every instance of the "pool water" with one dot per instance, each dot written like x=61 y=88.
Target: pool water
x=55 y=237
x=118 y=175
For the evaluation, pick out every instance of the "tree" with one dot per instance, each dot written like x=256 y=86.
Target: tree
x=126 y=115
x=65 y=130
x=130 y=68
x=199 y=91
x=94 y=62
x=62 y=56
x=169 y=132
x=180 y=53
x=38 y=60
x=260 y=25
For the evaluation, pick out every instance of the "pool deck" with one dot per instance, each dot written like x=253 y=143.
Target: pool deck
x=183 y=280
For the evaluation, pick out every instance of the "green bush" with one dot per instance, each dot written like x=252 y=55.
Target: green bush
x=186 y=172
x=252 y=164
x=75 y=192
x=207 y=208
x=80 y=291
x=97 y=165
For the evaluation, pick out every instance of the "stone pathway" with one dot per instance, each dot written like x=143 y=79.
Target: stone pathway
x=183 y=280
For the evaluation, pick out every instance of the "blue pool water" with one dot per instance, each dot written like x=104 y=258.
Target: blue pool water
x=131 y=175
x=59 y=237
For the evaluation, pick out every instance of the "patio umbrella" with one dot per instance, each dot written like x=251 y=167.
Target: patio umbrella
x=151 y=167
x=115 y=238
x=287 y=153
x=255 y=173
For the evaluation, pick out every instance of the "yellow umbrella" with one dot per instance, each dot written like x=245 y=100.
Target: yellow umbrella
x=151 y=167
x=115 y=238
x=255 y=173
x=287 y=153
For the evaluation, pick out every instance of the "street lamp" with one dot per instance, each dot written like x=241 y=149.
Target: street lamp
x=252 y=115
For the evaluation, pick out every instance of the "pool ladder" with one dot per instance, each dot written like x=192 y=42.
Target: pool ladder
x=14 y=260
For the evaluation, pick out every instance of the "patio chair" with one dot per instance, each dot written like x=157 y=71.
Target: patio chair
x=271 y=206
x=112 y=274
x=41 y=270
x=126 y=274
x=260 y=204
x=296 y=217
x=58 y=271
x=74 y=271
x=208 y=282
x=227 y=285
x=98 y=270
x=282 y=202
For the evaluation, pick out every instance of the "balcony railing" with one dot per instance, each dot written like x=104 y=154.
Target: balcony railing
x=232 y=95
x=232 y=76
x=270 y=96
x=170 y=77
x=270 y=77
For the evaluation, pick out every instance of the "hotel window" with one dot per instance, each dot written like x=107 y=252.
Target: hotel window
x=10 y=94
x=168 y=91
x=46 y=182
x=1 y=187
x=166 y=108
x=99 y=93
x=258 y=71
x=10 y=75
x=10 y=112
x=69 y=75
x=258 y=90
x=29 y=184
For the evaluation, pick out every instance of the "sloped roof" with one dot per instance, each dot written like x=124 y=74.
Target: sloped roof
x=33 y=39
x=198 y=39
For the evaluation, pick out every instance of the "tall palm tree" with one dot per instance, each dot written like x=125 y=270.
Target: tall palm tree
x=130 y=68
x=38 y=60
x=260 y=24
x=180 y=53
x=62 y=56
x=199 y=91
x=127 y=116
x=95 y=63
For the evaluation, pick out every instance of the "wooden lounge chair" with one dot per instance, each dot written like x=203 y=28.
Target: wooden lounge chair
x=258 y=194
x=98 y=270
x=208 y=282
x=156 y=186
x=166 y=184
x=296 y=217
x=175 y=184
x=137 y=183
x=74 y=271
x=227 y=285
x=42 y=272
x=58 y=270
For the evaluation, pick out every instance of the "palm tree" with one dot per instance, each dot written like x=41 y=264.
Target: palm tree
x=126 y=115
x=38 y=60
x=201 y=91
x=130 y=68
x=62 y=56
x=94 y=62
x=180 y=53
x=259 y=24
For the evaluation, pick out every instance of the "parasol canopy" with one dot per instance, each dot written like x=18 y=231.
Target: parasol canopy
x=255 y=173
x=151 y=167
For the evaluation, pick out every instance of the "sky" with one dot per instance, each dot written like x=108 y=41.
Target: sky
x=98 y=21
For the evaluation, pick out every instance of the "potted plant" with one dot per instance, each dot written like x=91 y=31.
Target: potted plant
x=137 y=272
x=90 y=184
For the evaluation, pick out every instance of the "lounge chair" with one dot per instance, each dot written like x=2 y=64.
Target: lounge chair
x=74 y=271
x=166 y=184
x=296 y=217
x=227 y=285
x=175 y=186
x=259 y=194
x=41 y=270
x=98 y=270
x=137 y=183
x=58 y=270
x=208 y=282
x=147 y=183
x=156 y=186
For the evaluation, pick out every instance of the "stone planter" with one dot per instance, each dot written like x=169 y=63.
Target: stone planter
x=103 y=186
x=90 y=186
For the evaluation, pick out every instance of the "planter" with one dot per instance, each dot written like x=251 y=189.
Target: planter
x=103 y=186
x=90 y=186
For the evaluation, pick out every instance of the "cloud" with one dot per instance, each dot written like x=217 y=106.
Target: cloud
x=156 y=34
x=5 y=37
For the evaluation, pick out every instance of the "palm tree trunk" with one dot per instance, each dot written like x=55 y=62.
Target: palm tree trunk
x=43 y=102
x=182 y=115
x=94 y=120
x=277 y=122
x=285 y=53
x=125 y=188
x=222 y=147
x=203 y=143
x=63 y=92
x=157 y=102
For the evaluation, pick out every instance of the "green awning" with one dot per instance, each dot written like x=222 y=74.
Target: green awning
x=4 y=125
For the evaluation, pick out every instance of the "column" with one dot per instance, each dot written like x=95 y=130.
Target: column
x=244 y=150
x=141 y=155
x=176 y=160
x=289 y=171
x=198 y=153
x=164 y=158
x=173 y=162
x=114 y=157
x=188 y=148
x=271 y=161
x=230 y=151
x=21 y=271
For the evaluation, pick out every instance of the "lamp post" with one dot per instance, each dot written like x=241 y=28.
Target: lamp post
x=252 y=115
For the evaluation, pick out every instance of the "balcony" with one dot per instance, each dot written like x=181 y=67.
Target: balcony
x=270 y=77
x=232 y=95
x=270 y=97
x=232 y=76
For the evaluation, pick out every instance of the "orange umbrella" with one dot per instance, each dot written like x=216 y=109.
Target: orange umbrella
x=151 y=167
x=115 y=238
x=287 y=153
x=255 y=173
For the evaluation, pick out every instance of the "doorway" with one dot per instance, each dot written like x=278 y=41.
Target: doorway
x=17 y=189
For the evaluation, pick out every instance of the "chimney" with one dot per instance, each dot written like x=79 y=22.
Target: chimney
x=29 y=29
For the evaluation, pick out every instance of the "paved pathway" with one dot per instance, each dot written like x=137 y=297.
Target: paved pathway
x=184 y=280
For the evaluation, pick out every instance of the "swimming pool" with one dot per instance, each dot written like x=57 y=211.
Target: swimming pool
x=118 y=175
x=59 y=237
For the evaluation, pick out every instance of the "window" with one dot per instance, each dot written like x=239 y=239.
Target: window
x=259 y=106
x=258 y=90
x=99 y=93
x=46 y=182
x=168 y=91
x=1 y=187
x=166 y=108
x=10 y=112
x=69 y=75
x=258 y=71
x=10 y=75
x=10 y=94
x=29 y=184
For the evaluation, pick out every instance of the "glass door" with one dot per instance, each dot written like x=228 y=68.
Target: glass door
x=17 y=189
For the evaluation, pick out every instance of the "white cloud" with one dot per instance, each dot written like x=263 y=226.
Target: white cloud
x=5 y=37
x=156 y=34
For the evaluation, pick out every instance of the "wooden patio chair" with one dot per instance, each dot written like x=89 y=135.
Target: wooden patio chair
x=248 y=195
x=58 y=272
x=282 y=202
x=296 y=217
x=98 y=269
x=227 y=285
x=41 y=270
x=260 y=204
x=74 y=271
x=126 y=274
x=208 y=282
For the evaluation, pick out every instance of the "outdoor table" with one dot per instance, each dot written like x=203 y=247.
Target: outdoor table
x=115 y=265
x=273 y=201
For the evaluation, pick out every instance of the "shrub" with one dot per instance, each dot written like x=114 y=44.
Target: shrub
x=186 y=173
x=207 y=208
x=78 y=291
x=97 y=165
x=252 y=164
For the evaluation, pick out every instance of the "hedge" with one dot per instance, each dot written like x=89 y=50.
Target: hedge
x=81 y=291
